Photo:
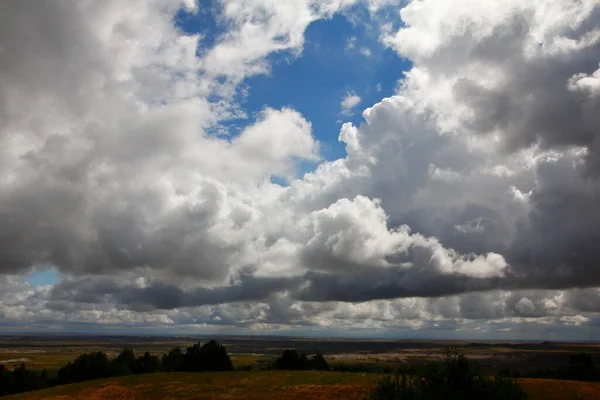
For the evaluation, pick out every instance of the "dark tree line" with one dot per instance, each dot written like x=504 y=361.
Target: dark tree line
x=210 y=356
x=580 y=367
x=20 y=379
x=291 y=360
x=97 y=365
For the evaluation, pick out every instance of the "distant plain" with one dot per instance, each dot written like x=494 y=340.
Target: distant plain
x=370 y=357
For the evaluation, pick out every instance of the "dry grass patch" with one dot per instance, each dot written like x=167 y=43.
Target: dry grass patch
x=553 y=389
x=267 y=385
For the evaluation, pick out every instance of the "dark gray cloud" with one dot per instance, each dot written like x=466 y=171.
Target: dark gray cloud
x=557 y=243
x=143 y=296
x=526 y=84
x=390 y=283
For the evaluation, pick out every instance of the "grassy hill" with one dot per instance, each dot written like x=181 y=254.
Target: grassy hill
x=269 y=385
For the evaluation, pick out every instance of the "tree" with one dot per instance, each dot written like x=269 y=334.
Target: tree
x=581 y=367
x=44 y=377
x=6 y=381
x=125 y=363
x=289 y=360
x=192 y=360
x=211 y=356
x=94 y=365
x=147 y=364
x=24 y=379
x=318 y=362
x=215 y=357
x=173 y=360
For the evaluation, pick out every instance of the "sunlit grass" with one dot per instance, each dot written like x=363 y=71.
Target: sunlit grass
x=268 y=385
x=553 y=389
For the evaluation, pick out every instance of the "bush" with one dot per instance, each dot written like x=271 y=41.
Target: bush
x=211 y=356
x=90 y=366
x=147 y=364
x=173 y=360
x=125 y=363
x=208 y=357
x=580 y=367
x=20 y=379
x=318 y=362
x=291 y=360
x=450 y=379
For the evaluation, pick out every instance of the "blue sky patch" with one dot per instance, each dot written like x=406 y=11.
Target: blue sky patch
x=43 y=277
x=339 y=57
x=327 y=70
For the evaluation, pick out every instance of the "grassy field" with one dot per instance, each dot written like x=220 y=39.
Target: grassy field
x=54 y=358
x=54 y=351
x=268 y=385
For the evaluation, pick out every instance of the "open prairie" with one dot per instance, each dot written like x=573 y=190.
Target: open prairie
x=54 y=351
x=267 y=385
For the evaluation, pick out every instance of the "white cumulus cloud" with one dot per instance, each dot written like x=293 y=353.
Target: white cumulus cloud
x=466 y=201
x=349 y=103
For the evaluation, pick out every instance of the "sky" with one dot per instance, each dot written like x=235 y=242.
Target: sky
x=355 y=168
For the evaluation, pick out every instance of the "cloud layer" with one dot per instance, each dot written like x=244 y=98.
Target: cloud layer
x=468 y=197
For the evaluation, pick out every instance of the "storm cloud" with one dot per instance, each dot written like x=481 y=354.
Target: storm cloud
x=468 y=196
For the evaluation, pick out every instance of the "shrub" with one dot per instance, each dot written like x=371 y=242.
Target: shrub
x=20 y=379
x=580 y=367
x=318 y=362
x=453 y=378
x=211 y=356
x=125 y=363
x=94 y=365
x=215 y=357
x=291 y=360
x=173 y=360
x=147 y=364
x=208 y=357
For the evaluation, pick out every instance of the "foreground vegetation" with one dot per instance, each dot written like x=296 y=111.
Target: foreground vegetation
x=210 y=356
x=453 y=378
x=52 y=352
x=291 y=360
x=150 y=376
x=581 y=367
x=268 y=385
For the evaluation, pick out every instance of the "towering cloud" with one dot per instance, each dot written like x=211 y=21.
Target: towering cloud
x=469 y=195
